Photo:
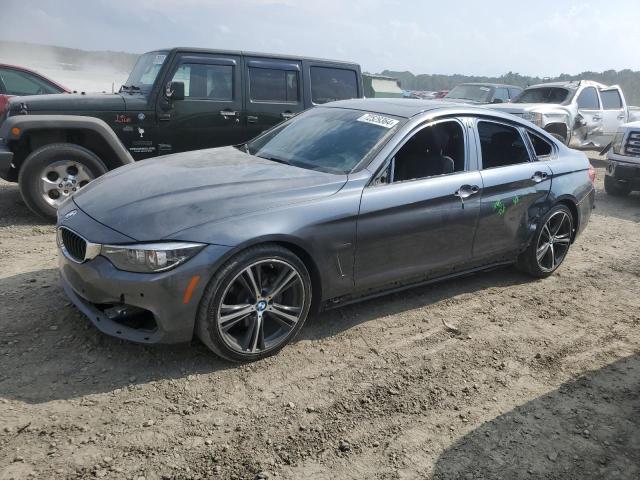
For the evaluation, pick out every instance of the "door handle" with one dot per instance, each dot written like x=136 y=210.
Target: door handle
x=252 y=119
x=597 y=117
x=465 y=191
x=228 y=113
x=621 y=116
x=287 y=115
x=539 y=176
x=164 y=117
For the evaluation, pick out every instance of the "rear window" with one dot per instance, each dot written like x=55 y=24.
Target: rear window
x=330 y=84
x=611 y=99
x=272 y=85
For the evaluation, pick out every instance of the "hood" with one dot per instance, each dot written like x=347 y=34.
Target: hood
x=516 y=108
x=72 y=102
x=462 y=101
x=155 y=198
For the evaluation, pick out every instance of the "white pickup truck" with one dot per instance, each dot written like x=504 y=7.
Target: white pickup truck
x=622 y=174
x=582 y=114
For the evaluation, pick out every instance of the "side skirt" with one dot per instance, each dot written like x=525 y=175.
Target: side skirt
x=400 y=286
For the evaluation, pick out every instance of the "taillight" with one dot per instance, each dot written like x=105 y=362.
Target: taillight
x=592 y=174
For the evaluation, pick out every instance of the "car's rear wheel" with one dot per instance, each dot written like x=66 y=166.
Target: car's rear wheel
x=52 y=173
x=256 y=303
x=615 y=187
x=550 y=245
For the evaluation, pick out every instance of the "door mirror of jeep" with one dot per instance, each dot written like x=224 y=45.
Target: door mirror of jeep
x=174 y=91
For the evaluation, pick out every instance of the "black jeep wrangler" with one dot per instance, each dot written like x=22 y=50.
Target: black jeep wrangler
x=173 y=101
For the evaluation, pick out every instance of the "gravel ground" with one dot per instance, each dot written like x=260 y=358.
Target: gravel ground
x=541 y=379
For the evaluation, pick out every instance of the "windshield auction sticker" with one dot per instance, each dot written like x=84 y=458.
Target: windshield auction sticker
x=159 y=60
x=379 y=120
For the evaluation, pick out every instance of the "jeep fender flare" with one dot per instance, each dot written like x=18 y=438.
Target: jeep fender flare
x=16 y=127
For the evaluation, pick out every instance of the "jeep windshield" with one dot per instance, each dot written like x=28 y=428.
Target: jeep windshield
x=474 y=93
x=544 y=95
x=332 y=140
x=144 y=72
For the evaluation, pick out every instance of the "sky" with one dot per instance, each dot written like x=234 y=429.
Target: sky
x=486 y=37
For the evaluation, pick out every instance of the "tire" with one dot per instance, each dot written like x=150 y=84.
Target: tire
x=616 y=188
x=558 y=137
x=529 y=260
x=254 y=328
x=58 y=167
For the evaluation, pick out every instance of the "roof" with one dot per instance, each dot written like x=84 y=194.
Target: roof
x=568 y=84
x=398 y=107
x=490 y=84
x=251 y=54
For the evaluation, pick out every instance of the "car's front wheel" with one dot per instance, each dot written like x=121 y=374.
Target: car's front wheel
x=53 y=173
x=550 y=245
x=255 y=304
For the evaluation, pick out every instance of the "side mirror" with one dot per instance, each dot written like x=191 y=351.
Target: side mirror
x=497 y=100
x=174 y=91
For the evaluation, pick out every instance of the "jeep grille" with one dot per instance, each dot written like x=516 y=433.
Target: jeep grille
x=632 y=147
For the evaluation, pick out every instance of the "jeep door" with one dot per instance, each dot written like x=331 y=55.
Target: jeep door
x=588 y=127
x=211 y=113
x=273 y=92
x=514 y=188
x=614 y=113
x=413 y=221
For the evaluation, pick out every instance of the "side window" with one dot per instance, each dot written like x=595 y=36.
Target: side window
x=210 y=82
x=271 y=85
x=541 y=147
x=611 y=99
x=588 y=99
x=501 y=145
x=501 y=94
x=330 y=84
x=20 y=83
x=435 y=150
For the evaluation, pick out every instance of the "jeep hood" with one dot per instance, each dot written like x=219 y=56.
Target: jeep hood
x=515 y=108
x=153 y=199
x=72 y=102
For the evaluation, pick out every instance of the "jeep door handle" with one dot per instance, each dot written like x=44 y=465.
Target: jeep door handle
x=228 y=113
x=287 y=115
x=252 y=119
x=465 y=191
x=539 y=176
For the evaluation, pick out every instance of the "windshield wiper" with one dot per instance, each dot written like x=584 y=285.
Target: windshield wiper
x=275 y=159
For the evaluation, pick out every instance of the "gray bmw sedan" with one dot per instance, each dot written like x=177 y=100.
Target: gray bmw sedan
x=345 y=201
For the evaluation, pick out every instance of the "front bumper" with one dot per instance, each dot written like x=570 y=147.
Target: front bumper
x=96 y=285
x=6 y=162
x=623 y=167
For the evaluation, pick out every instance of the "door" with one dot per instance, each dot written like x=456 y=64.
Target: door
x=413 y=221
x=514 y=189
x=211 y=113
x=613 y=113
x=273 y=93
x=588 y=123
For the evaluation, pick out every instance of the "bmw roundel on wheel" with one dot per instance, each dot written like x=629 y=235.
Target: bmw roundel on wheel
x=240 y=245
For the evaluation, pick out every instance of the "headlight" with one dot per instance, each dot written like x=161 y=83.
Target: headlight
x=150 y=257
x=533 y=117
x=616 y=145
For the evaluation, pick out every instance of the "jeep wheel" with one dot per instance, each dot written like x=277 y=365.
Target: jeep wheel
x=52 y=173
x=616 y=188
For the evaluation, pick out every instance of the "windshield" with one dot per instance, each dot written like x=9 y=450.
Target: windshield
x=331 y=140
x=145 y=71
x=475 y=93
x=544 y=95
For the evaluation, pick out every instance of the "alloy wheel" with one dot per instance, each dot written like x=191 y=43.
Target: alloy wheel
x=554 y=241
x=61 y=179
x=261 y=306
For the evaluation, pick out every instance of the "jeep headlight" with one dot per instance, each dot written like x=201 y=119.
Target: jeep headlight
x=616 y=145
x=150 y=257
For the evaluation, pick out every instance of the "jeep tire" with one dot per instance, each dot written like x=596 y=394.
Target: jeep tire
x=54 y=172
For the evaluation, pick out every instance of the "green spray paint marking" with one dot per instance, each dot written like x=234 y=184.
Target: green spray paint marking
x=499 y=207
x=515 y=200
